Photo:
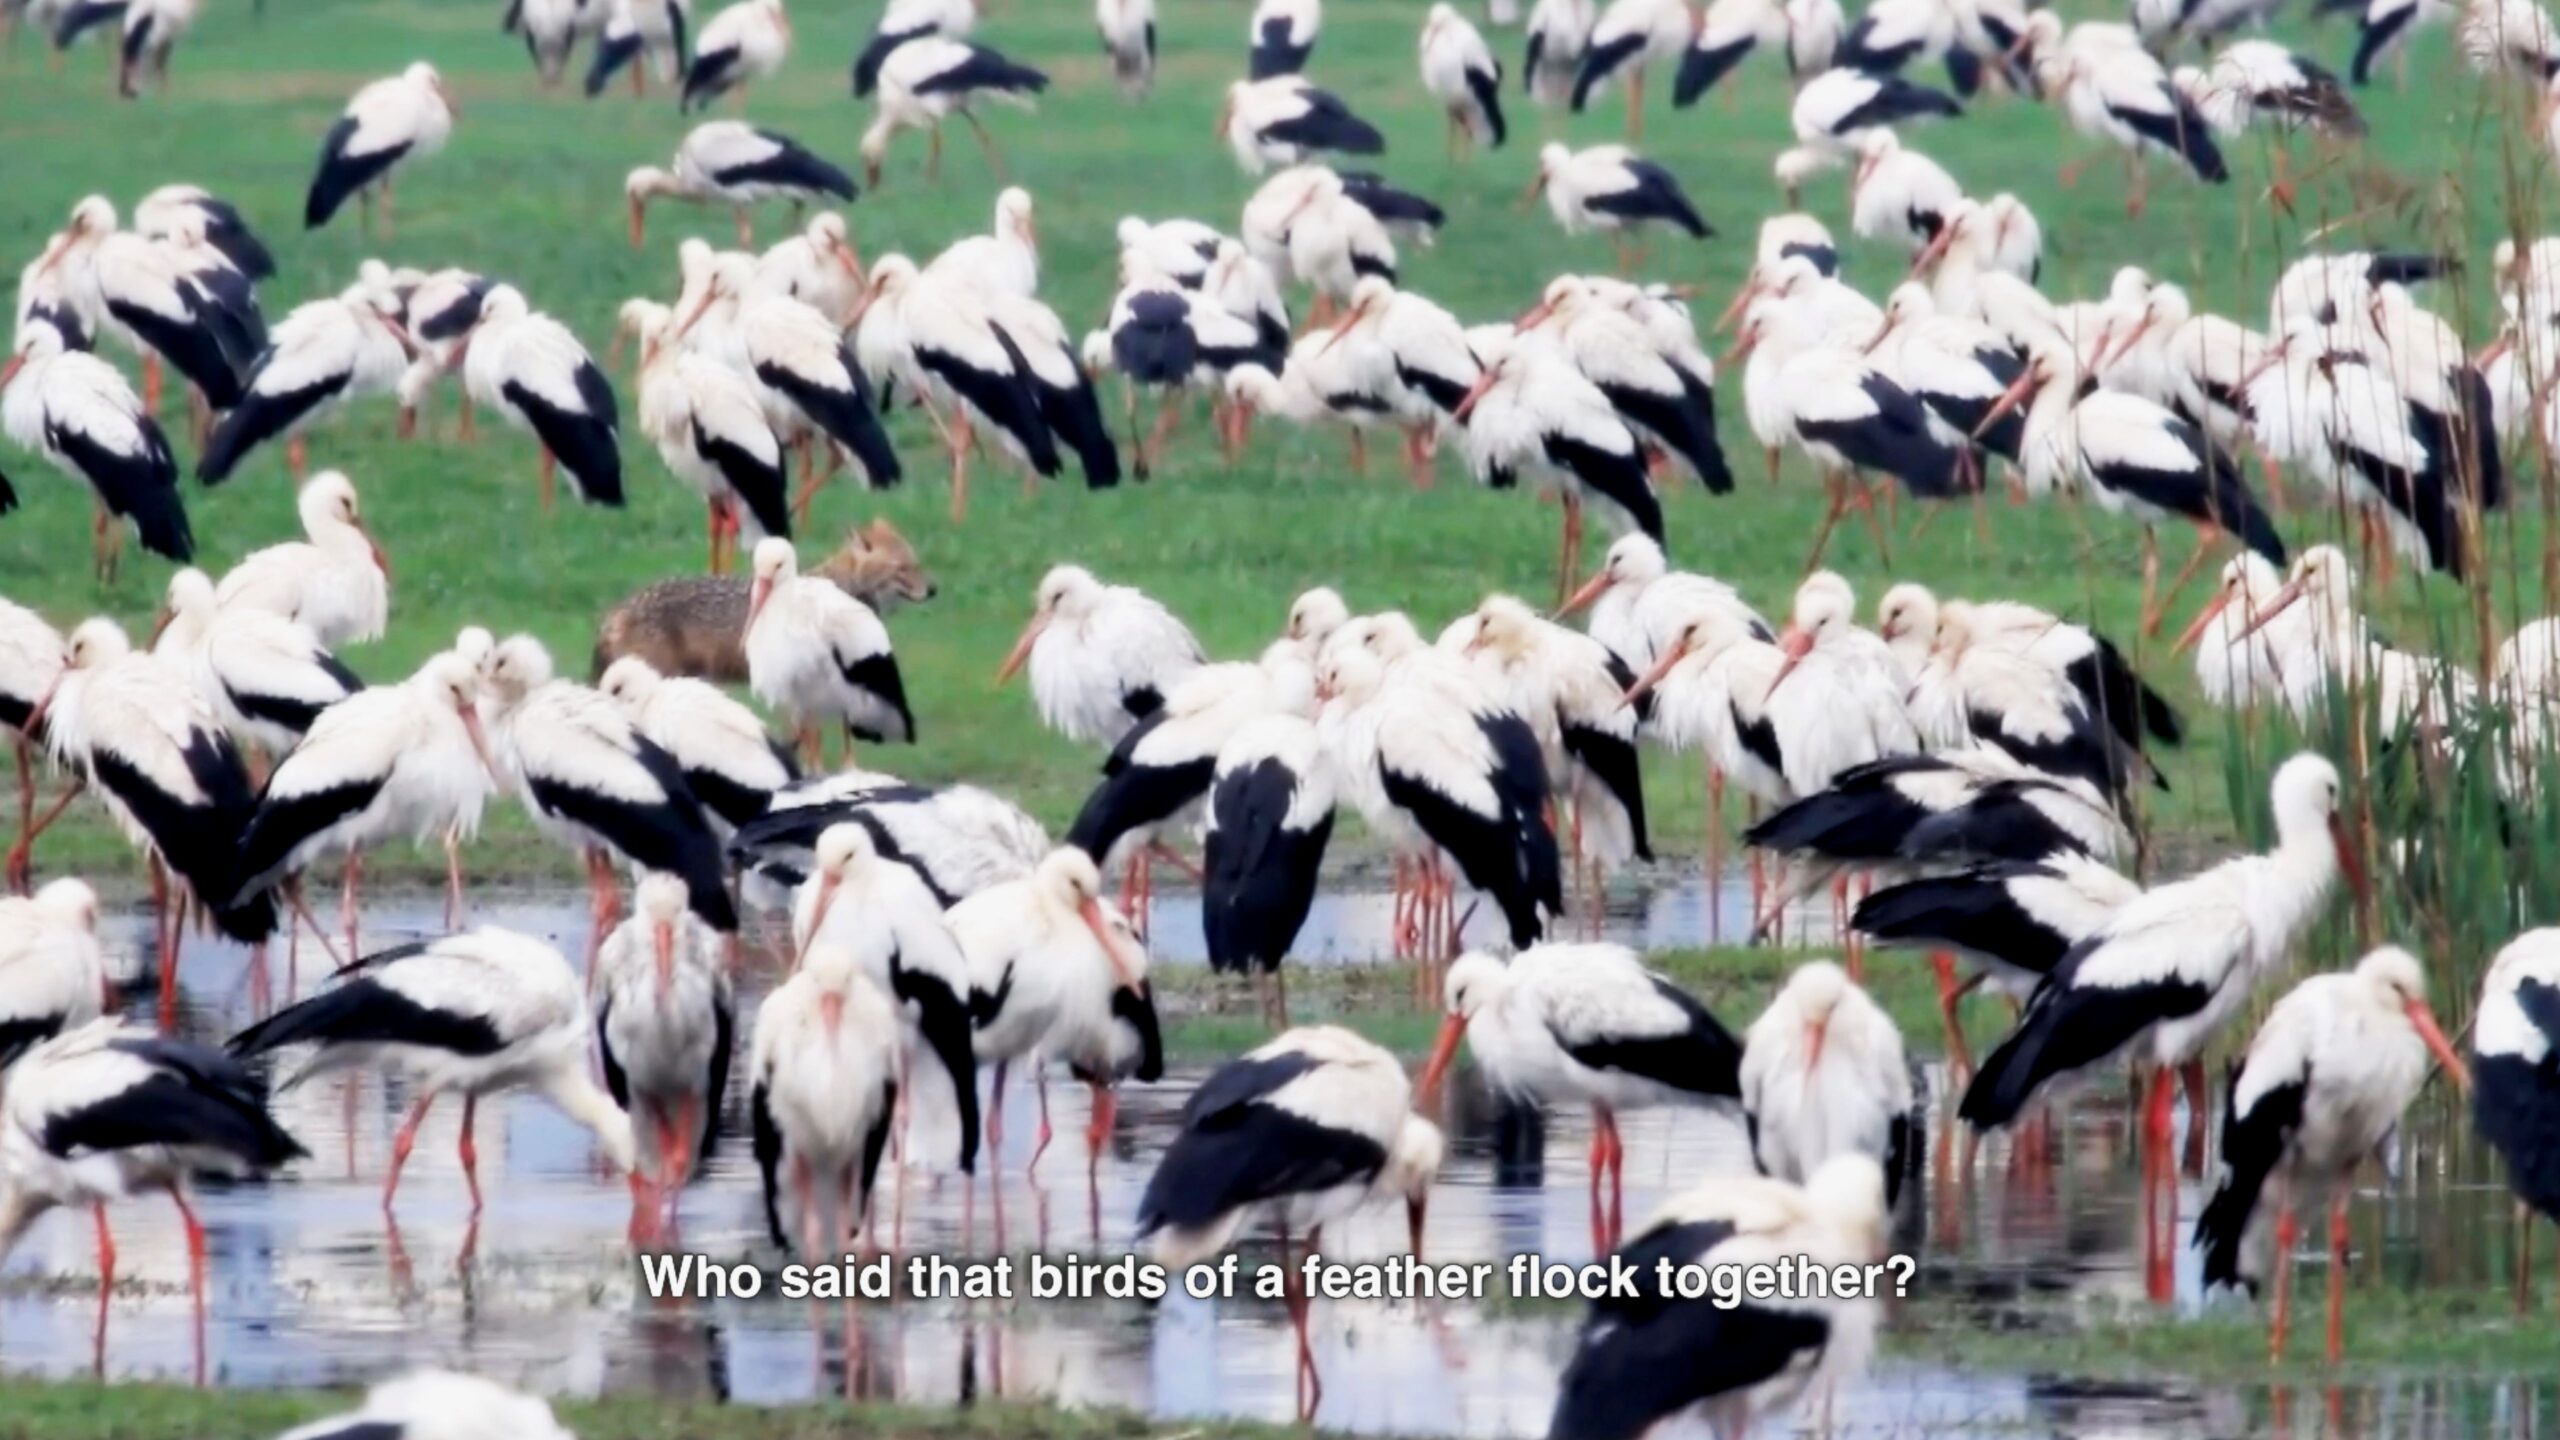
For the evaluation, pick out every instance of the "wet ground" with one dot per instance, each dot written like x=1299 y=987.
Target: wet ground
x=311 y=1287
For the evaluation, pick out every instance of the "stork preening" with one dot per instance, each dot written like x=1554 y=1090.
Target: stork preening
x=336 y=583
x=820 y=656
x=732 y=163
x=1102 y=657
x=733 y=766
x=477 y=1014
x=2322 y=1087
x=1823 y=1074
x=389 y=123
x=666 y=1024
x=1589 y=1023
x=265 y=677
x=1311 y=1128
x=822 y=1093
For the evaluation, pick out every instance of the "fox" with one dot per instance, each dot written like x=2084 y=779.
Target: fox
x=696 y=625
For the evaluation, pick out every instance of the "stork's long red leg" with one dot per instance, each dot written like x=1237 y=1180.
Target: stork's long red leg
x=195 y=1247
x=1040 y=1142
x=2339 y=1234
x=402 y=1144
x=2161 y=1185
x=470 y=1151
x=550 y=468
x=347 y=903
x=2288 y=1235
x=1949 y=1001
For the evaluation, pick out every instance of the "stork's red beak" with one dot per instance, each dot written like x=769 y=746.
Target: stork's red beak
x=1536 y=316
x=2204 y=620
x=2347 y=861
x=1814 y=1035
x=1661 y=667
x=10 y=371
x=818 y=915
x=1933 y=252
x=2276 y=605
x=1022 y=647
x=479 y=739
x=662 y=941
x=1475 y=392
x=2422 y=1018
x=1592 y=589
x=1094 y=920
x=2009 y=400
x=1795 y=645
x=1453 y=1032
x=761 y=592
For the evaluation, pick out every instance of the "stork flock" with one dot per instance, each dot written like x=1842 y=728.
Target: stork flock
x=1962 y=778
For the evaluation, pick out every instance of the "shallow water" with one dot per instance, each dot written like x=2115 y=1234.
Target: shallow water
x=310 y=1287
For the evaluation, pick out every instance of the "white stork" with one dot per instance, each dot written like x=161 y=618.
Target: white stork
x=2168 y=969
x=2516 y=1106
x=1128 y=30
x=440 y=313
x=1554 y=37
x=160 y=298
x=822 y=1092
x=1823 y=1074
x=1306 y=1130
x=591 y=781
x=647 y=35
x=819 y=655
x=1897 y=194
x=1006 y=258
x=1728 y=32
x=390 y=122
x=1459 y=70
x=2113 y=90
x=1638 y=602
x=1665 y=395
x=733 y=163
x=1286 y=121
x=807 y=376
x=1892 y=35
x=2316 y=400
x=1056 y=973
x=925 y=81
x=417 y=1405
x=1837 y=106
x=1587 y=1023
x=30 y=662
x=820 y=267
x=1533 y=409
x=1270 y=817
x=958 y=839
x=165 y=212
x=323 y=354
x=2321 y=1089
x=1572 y=690
x=53 y=976
x=266 y=677
x=107 y=1112
x=551 y=30
x=708 y=424
x=666 y=1023
x=1612 y=189
x=1629 y=38
x=1102 y=657
x=336 y=582
x=744 y=43
x=481 y=1013
x=76 y=411
x=941 y=341
x=904 y=20
x=1641 y=1362
x=732 y=765
x=1280 y=35
x=889 y=921
x=528 y=367
x=409 y=760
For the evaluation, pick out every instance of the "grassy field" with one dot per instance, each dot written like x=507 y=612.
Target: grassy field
x=529 y=190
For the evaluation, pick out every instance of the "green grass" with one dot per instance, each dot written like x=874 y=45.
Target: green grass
x=529 y=190
x=133 y=1410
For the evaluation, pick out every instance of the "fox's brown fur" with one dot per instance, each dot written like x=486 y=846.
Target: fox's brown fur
x=696 y=625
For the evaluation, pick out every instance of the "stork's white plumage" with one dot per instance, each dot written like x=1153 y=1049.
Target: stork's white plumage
x=2321 y=1089
x=1102 y=657
x=904 y=20
x=733 y=163
x=2508 y=37
x=709 y=426
x=408 y=761
x=665 y=1027
x=105 y=1112
x=421 y=1404
x=1006 y=259
x=1056 y=972
x=336 y=583
x=1837 y=106
x=53 y=977
x=939 y=339
x=822 y=1091
x=1642 y=1362
x=1894 y=35
x=591 y=781
x=889 y=921
x=1532 y=410
x=1572 y=691
x=647 y=35
x=805 y=372
x=441 y=309
x=1823 y=1074
x=733 y=767
x=1286 y=121
x=1629 y=38
x=1556 y=34
x=1728 y=32
x=151 y=32
x=177 y=300
x=265 y=677
x=2113 y=90
x=1897 y=194
x=820 y=656
x=74 y=409
x=2252 y=82
x=528 y=367
x=927 y=80
x=2516 y=1034
x=1563 y=1023
x=1459 y=70
x=958 y=839
x=2317 y=401
x=1664 y=392
x=744 y=43
x=1639 y=603
x=323 y=354
x=478 y=1014
x=553 y=28
x=1128 y=30
x=163 y=213
x=1280 y=35
x=389 y=123
x=1612 y=189
x=1980 y=685
x=2333 y=647
x=2242 y=663
x=820 y=267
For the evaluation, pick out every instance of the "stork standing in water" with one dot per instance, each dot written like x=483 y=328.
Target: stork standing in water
x=1563 y=1022
x=732 y=163
x=822 y=1094
x=1823 y=1074
x=733 y=766
x=139 y=735
x=2166 y=971
x=480 y=1014
x=388 y=124
x=2324 y=1083
x=1271 y=804
x=105 y=1113
x=2516 y=1050
x=890 y=922
x=74 y=409
x=336 y=583
x=819 y=655
x=1309 y=1129
x=665 y=1024
x=528 y=367
x=30 y=663
x=53 y=977
x=1657 y=1357
x=1102 y=657
x=591 y=781
x=1055 y=972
